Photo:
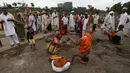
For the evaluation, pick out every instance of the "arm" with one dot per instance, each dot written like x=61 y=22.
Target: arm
x=75 y=42
x=2 y=21
x=90 y=19
x=17 y=21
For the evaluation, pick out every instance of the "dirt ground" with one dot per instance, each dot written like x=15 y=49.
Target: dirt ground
x=105 y=57
x=2 y=36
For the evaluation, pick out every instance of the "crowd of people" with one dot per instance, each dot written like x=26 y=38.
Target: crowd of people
x=24 y=26
x=15 y=24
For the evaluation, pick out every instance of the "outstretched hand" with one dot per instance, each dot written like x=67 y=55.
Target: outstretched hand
x=2 y=21
x=10 y=20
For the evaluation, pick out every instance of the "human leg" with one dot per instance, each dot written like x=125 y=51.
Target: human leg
x=73 y=57
x=33 y=42
x=15 y=38
x=42 y=26
x=83 y=32
x=94 y=27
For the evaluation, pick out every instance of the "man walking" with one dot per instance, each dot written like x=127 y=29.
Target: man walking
x=9 y=27
x=96 y=18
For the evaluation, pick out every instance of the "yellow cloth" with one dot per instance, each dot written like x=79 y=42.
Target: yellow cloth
x=52 y=48
x=31 y=41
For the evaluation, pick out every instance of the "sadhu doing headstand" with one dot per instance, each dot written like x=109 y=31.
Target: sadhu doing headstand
x=84 y=42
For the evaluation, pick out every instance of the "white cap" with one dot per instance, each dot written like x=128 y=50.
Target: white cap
x=124 y=8
x=72 y=11
x=111 y=12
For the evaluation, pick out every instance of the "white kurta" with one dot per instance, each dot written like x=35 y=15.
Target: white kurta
x=32 y=22
x=84 y=26
x=9 y=28
x=127 y=26
x=55 y=20
x=96 y=18
x=39 y=22
x=8 y=25
x=109 y=22
x=44 y=21
x=123 y=19
x=112 y=23
x=65 y=20
x=71 y=21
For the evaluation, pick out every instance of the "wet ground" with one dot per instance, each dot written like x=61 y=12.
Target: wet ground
x=105 y=57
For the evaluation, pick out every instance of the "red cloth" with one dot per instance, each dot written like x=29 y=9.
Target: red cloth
x=62 y=31
x=80 y=26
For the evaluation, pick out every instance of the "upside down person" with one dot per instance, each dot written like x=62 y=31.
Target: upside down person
x=84 y=42
x=55 y=43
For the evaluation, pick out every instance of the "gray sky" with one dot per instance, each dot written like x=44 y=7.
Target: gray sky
x=100 y=4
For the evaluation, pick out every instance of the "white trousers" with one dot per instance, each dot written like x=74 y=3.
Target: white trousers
x=57 y=69
x=83 y=32
x=42 y=27
x=13 y=39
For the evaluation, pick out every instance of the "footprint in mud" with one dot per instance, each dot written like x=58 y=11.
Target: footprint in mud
x=102 y=54
x=122 y=52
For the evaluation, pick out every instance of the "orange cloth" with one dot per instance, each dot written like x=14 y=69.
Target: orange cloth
x=76 y=17
x=111 y=34
x=55 y=57
x=85 y=43
x=60 y=62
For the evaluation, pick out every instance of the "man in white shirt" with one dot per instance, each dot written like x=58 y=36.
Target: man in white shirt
x=124 y=20
x=32 y=21
x=44 y=21
x=109 y=23
x=96 y=18
x=123 y=17
x=55 y=20
x=85 y=21
x=9 y=27
x=71 y=21
x=127 y=26
x=65 y=22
